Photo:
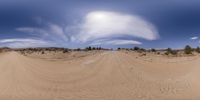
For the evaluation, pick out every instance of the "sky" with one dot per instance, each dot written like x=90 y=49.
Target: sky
x=105 y=23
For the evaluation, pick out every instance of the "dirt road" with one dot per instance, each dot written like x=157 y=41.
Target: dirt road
x=111 y=75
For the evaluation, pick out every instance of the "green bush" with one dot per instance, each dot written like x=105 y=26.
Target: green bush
x=188 y=49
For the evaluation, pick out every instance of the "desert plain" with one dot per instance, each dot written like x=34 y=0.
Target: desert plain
x=98 y=75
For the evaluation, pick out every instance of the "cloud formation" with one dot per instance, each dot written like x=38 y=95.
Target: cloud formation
x=100 y=24
x=96 y=28
x=22 y=43
x=52 y=31
x=116 y=42
x=194 y=38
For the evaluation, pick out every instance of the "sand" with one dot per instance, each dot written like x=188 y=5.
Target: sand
x=108 y=75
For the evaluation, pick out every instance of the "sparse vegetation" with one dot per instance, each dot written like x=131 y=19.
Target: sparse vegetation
x=153 y=50
x=3 y=49
x=136 y=48
x=88 y=48
x=78 y=49
x=188 y=50
x=198 y=50
x=99 y=48
x=170 y=51
x=65 y=50
x=142 y=49
x=94 y=48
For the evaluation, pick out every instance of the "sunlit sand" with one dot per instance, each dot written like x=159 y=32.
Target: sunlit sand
x=98 y=75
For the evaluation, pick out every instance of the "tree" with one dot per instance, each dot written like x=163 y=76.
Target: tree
x=188 y=49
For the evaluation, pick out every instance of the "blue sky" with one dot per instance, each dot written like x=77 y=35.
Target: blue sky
x=105 y=23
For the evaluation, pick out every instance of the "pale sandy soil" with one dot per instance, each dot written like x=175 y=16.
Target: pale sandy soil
x=108 y=75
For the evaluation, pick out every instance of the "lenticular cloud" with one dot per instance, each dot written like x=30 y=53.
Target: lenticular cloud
x=100 y=24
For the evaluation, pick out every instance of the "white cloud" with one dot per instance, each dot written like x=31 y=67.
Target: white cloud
x=55 y=29
x=33 y=31
x=52 y=31
x=116 y=42
x=22 y=43
x=17 y=40
x=101 y=24
x=96 y=28
x=194 y=38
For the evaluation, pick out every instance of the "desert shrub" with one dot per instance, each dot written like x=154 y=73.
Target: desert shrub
x=99 y=48
x=42 y=52
x=188 y=49
x=174 y=52
x=170 y=51
x=167 y=53
x=88 y=48
x=198 y=50
x=1 y=50
x=118 y=48
x=142 y=49
x=153 y=50
x=136 y=48
x=65 y=50
x=93 y=48
x=78 y=49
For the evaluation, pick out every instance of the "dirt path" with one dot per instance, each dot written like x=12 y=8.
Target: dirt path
x=103 y=76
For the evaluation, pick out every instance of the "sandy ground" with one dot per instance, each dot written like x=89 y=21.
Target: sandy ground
x=109 y=75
